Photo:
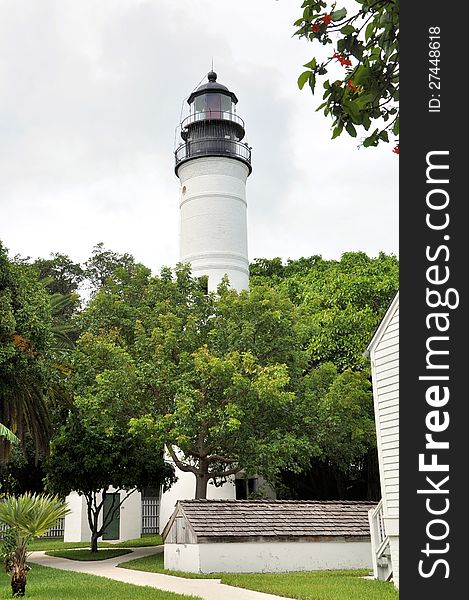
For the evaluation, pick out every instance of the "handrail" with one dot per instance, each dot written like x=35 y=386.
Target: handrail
x=212 y=115
x=379 y=543
x=378 y=516
x=213 y=147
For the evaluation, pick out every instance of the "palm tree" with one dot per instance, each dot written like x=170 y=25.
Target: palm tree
x=23 y=408
x=25 y=395
x=26 y=517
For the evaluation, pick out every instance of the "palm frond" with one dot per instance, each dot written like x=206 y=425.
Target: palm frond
x=8 y=434
x=31 y=515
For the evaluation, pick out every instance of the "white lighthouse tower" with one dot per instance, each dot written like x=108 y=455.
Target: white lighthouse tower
x=213 y=164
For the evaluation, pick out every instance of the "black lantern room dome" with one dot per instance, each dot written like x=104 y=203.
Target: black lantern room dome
x=212 y=128
x=212 y=86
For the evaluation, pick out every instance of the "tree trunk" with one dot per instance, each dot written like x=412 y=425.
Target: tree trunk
x=201 y=479
x=94 y=541
x=18 y=582
x=201 y=486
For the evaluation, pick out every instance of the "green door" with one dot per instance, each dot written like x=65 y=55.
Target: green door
x=113 y=529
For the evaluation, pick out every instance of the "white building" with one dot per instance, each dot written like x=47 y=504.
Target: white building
x=126 y=524
x=139 y=514
x=384 y=520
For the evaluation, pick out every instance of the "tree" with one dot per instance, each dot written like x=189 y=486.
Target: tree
x=225 y=380
x=336 y=409
x=89 y=457
x=229 y=414
x=213 y=374
x=62 y=274
x=26 y=516
x=25 y=335
x=103 y=264
x=94 y=449
x=361 y=78
x=340 y=408
x=198 y=366
x=62 y=279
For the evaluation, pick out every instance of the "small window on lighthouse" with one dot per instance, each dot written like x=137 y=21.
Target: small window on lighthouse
x=200 y=104
x=213 y=102
x=225 y=103
x=214 y=105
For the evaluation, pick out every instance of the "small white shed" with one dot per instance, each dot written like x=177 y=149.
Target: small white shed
x=267 y=536
x=384 y=520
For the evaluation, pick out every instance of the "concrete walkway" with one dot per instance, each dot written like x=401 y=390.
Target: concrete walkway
x=208 y=589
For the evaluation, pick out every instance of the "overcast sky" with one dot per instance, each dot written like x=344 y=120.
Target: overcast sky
x=90 y=95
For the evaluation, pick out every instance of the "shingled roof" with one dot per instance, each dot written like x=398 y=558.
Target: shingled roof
x=209 y=519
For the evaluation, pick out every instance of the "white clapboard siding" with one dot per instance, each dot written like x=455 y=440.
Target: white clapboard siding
x=384 y=354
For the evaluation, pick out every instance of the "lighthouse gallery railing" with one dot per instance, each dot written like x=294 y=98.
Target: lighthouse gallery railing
x=212 y=147
x=211 y=133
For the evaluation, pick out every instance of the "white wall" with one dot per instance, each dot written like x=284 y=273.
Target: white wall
x=182 y=557
x=385 y=375
x=76 y=523
x=213 y=225
x=267 y=557
x=131 y=517
x=384 y=355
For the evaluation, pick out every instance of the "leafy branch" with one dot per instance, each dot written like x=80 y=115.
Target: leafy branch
x=367 y=45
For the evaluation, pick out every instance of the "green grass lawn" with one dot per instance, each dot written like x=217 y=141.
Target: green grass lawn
x=315 y=585
x=311 y=585
x=85 y=554
x=146 y=540
x=52 y=584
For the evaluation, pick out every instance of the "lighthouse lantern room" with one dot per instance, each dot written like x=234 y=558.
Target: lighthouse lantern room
x=213 y=163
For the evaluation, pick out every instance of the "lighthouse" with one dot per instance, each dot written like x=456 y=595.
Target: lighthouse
x=213 y=162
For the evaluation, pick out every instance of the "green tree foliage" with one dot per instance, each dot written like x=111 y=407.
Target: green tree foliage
x=62 y=278
x=338 y=410
x=340 y=303
x=232 y=381
x=25 y=336
x=89 y=457
x=263 y=381
x=103 y=264
x=27 y=516
x=361 y=73
x=210 y=376
x=229 y=414
x=94 y=449
x=62 y=274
